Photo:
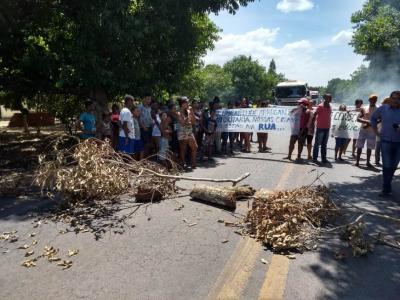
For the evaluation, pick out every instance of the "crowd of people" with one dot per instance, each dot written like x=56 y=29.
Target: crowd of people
x=187 y=132
x=179 y=131
x=379 y=132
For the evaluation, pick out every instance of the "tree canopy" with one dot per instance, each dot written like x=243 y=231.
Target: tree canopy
x=102 y=48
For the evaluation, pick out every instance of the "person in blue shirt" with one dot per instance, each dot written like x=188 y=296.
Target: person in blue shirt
x=87 y=121
x=389 y=116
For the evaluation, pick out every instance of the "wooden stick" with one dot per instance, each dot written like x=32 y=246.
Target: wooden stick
x=234 y=181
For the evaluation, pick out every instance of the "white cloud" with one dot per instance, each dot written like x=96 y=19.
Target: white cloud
x=301 y=60
x=288 y=6
x=343 y=37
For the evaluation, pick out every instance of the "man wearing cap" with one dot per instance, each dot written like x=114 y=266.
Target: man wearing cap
x=300 y=128
x=366 y=132
x=389 y=115
x=323 y=120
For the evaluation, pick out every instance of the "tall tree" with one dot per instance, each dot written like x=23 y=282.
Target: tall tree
x=102 y=48
x=248 y=77
x=272 y=67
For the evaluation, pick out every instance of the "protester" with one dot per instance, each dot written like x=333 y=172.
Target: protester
x=127 y=131
x=358 y=107
x=378 y=138
x=310 y=129
x=323 y=121
x=173 y=123
x=87 y=121
x=217 y=135
x=389 y=115
x=198 y=129
x=366 y=132
x=340 y=140
x=210 y=125
x=245 y=136
x=156 y=133
x=115 y=125
x=137 y=141
x=299 y=129
x=166 y=135
x=262 y=137
x=105 y=127
x=146 y=124
x=186 y=138
x=226 y=135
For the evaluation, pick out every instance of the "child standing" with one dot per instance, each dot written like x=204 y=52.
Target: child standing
x=166 y=135
x=105 y=126
x=341 y=141
x=137 y=141
x=210 y=126
x=115 y=125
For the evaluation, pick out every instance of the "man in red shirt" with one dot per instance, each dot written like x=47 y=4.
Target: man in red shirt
x=323 y=120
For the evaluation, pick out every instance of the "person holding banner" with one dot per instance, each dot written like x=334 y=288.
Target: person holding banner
x=340 y=140
x=389 y=114
x=323 y=120
x=366 y=134
x=299 y=130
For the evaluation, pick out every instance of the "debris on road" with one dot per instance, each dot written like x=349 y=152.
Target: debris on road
x=93 y=170
x=264 y=261
x=73 y=252
x=287 y=220
x=224 y=196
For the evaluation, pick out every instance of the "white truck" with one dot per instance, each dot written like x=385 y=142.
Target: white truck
x=289 y=92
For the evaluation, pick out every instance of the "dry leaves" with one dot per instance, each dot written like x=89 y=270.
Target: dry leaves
x=93 y=170
x=288 y=219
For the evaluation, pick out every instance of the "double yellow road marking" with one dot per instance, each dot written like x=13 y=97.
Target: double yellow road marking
x=233 y=279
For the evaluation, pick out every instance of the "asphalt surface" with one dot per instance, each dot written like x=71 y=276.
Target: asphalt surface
x=161 y=257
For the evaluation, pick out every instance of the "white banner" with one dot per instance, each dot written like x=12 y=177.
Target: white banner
x=345 y=125
x=282 y=120
x=269 y=119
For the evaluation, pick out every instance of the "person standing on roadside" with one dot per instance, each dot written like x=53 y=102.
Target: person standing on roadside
x=389 y=114
x=378 y=138
x=358 y=107
x=366 y=132
x=146 y=124
x=323 y=121
x=310 y=129
x=87 y=121
x=299 y=129
x=127 y=131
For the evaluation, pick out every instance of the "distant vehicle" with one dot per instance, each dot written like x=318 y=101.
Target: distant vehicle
x=289 y=92
x=314 y=97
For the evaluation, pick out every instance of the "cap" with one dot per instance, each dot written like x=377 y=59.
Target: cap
x=303 y=101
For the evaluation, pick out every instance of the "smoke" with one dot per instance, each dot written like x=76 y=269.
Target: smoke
x=381 y=77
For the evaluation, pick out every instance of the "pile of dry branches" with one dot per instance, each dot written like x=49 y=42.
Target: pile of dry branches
x=287 y=220
x=92 y=170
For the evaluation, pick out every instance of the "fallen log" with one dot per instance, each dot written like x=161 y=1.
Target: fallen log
x=213 y=194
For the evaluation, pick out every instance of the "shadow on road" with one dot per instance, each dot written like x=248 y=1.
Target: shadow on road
x=376 y=276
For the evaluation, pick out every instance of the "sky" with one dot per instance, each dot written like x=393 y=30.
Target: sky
x=307 y=38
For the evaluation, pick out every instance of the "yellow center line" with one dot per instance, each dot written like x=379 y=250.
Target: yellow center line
x=233 y=279
x=236 y=273
x=275 y=280
x=274 y=284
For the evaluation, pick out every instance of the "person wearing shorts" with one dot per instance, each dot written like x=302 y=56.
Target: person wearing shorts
x=186 y=137
x=299 y=130
x=146 y=124
x=367 y=134
x=341 y=141
x=126 y=132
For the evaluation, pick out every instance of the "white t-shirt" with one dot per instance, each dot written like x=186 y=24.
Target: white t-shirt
x=126 y=116
x=156 y=129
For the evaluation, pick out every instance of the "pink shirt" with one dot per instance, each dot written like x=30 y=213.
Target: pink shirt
x=324 y=116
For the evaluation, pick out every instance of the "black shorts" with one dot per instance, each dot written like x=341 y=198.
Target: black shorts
x=146 y=136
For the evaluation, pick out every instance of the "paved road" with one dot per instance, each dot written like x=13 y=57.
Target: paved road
x=161 y=257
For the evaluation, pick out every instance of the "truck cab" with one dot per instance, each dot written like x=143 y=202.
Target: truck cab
x=287 y=93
